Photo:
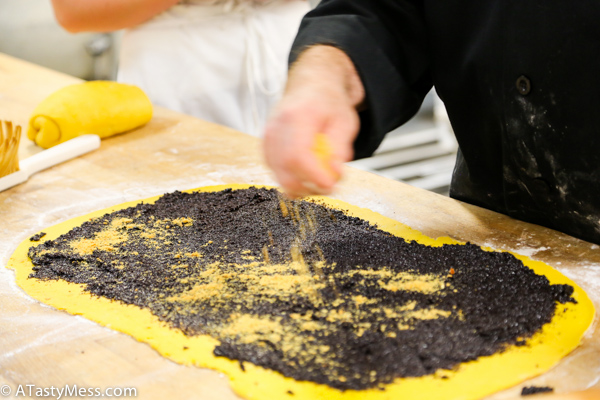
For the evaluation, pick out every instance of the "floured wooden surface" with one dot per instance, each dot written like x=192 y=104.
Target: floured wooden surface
x=175 y=152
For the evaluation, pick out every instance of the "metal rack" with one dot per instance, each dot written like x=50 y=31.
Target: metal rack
x=422 y=153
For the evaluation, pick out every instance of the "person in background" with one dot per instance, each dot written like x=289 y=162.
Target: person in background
x=519 y=81
x=223 y=61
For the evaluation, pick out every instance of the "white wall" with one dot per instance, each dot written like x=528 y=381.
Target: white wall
x=28 y=30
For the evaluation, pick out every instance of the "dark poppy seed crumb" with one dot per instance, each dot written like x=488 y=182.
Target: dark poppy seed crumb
x=303 y=289
x=529 y=390
x=37 y=237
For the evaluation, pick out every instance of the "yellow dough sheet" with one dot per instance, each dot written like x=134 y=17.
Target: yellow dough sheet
x=471 y=380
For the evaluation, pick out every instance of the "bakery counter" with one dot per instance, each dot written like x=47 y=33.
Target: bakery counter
x=45 y=347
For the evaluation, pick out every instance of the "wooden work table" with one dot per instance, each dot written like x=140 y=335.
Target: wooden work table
x=45 y=347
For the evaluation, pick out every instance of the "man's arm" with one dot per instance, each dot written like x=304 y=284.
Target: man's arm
x=322 y=95
x=106 y=15
x=371 y=54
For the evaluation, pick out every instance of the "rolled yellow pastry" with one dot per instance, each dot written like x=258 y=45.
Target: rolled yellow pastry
x=103 y=108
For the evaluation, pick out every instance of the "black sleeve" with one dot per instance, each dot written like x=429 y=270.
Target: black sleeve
x=387 y=41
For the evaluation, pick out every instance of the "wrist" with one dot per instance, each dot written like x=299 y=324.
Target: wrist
x=328 y=68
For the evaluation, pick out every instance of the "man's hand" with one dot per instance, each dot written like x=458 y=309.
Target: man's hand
x=321 y=96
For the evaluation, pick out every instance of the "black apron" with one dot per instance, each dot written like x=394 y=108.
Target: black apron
x=520 y=81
